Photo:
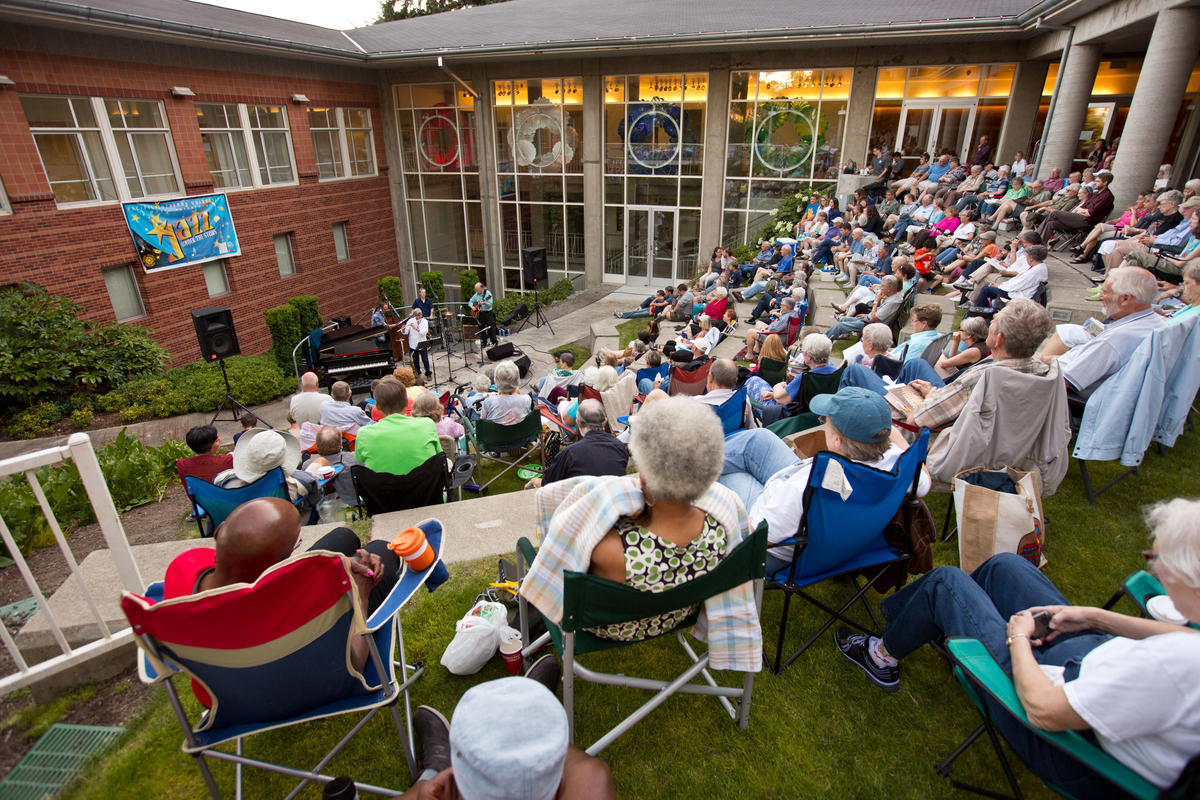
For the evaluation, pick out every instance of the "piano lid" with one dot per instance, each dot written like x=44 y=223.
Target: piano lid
x=357 y=340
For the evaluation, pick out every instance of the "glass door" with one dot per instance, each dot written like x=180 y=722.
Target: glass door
x=650 y=245
x=935 y=127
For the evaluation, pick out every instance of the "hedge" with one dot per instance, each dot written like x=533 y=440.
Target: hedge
x=284 y=324
x=435 y=286
x=467 y=278
x=559 y=291
x=391 y=290
x=199 y=386
x=310 y=316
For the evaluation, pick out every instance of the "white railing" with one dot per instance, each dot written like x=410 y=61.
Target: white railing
x=79 y=449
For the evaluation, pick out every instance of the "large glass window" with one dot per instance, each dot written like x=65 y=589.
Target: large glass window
x=272 y=144
x=140 y=132
x=436 y=122
x=123 y=292
x=538 y=127
x=342 y=142
x=224 y=138
x=786 y=130
x=69 y=142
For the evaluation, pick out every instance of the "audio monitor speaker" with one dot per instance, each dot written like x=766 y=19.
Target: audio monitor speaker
x=215 y=333
x=501 y=352
x=533 y=264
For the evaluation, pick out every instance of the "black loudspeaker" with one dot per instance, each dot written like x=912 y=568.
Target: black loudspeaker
x=501 y=352
x=214 y=331
x=533 y=264
x=523 y=364
x=520 y=312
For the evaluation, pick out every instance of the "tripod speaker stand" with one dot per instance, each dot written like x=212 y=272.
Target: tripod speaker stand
x=533 y=268
x=232 y=402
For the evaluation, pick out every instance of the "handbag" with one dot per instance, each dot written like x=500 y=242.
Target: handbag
x=992 y=521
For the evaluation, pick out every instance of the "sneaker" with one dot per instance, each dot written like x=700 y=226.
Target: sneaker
x=432 y=732
x=854 y=647
x=955 y=298
x=546 y=671
x=617 y=314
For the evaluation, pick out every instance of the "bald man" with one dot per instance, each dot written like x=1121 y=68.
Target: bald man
x=306 y=405
x=263 y=532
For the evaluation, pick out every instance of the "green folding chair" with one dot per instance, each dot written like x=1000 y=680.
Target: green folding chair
x=1140 y=587
x=772 y=370
x=590 y=602
x=980 y=675
x=813 y=384
x=488 y=437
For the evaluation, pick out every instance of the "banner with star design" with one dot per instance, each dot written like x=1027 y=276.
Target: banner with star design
x=175 y=233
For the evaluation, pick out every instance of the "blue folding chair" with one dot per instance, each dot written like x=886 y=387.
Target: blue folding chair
x=733 y=412
x=843 y=537
x=273 y=654
x=217 y=503
x=650 y=373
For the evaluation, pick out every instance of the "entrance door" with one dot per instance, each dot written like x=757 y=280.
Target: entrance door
x=934 y=127
x=650 y=245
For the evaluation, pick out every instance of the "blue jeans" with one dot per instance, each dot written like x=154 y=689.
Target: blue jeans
x=646 y=386
x=990 y=293
x=823 y=252
x=948 y=257
x=751 y=458
x=916 y=369
x=869 y=280
x=948 y=602
x=763 y=305
x=637 y=312
x=846 y=325
x=754 y=289
x=966 y=200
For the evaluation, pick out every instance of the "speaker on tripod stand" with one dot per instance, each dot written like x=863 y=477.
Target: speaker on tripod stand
x=536 y=276
x=218 y=341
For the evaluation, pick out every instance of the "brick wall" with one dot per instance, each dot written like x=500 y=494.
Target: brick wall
x=66 y=249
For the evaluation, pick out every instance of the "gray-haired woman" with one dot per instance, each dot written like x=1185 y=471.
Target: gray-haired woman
x=506 y=406
x=678 y=446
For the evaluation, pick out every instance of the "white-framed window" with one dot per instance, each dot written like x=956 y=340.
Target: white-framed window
x=283 y=254
x=68 y=140
x=342 y=141
x=341 y=242
x=123 y=292
x=224 y=136
x=140 y=133
x=5 y=206
x=215 y=277
x=272 y=143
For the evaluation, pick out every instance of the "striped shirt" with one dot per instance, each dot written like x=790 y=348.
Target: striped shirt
x=943 y=406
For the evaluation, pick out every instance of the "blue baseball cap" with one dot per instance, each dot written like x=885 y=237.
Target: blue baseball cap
x=859 y=414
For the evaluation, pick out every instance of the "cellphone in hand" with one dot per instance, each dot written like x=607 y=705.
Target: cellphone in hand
x=1041 y=624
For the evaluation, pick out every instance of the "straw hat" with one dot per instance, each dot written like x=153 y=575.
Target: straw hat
x=259 y=451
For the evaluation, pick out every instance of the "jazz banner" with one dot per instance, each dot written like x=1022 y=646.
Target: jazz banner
x=175 y=233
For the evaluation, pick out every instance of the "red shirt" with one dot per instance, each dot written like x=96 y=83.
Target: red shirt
x=203 y=467
x=183 y=573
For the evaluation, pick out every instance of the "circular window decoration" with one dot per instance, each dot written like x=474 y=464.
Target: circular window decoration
x=783 y=141
x=538 y=139
x=654 y=135
x=439 y=137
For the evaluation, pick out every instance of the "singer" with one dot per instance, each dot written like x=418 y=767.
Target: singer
x=417 y=328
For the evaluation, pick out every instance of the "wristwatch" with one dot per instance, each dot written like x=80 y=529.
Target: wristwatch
x=1008 y=642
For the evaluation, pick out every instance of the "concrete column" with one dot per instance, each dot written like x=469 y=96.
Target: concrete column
x=1074 y=90
x=593 y=173
x=1161 y=84
x=716 y=124
x=395 y=177
x=859 y=113
x=485 y=158
x=1017 y=131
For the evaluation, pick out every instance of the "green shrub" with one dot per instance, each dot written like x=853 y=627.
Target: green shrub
x=435 y=286
x=83 y=417
x=784 y=218
x=310 y=316
x=284 y=324
x=743 y=253
x=198 y=386
x=108 y=403
x=391 y=290
x=29 y=423
x=467 y=278
x=47 y=351
x=133 y=413
x=559 y=291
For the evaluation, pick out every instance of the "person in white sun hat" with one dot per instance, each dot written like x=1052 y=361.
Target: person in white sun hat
x=259 y=451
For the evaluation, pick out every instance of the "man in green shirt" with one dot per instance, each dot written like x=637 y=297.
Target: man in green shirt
x=395 y=444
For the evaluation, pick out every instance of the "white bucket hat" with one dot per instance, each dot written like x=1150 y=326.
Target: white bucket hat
x=259 y=451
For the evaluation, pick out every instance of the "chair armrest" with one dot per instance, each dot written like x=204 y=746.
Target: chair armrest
x=409 y=580
x=528 y=551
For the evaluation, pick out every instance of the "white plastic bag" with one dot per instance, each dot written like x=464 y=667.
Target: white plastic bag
x=476 y=638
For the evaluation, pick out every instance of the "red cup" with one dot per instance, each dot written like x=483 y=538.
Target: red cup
x=510 y=651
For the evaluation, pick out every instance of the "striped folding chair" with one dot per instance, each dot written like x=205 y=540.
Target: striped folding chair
x=273 y=654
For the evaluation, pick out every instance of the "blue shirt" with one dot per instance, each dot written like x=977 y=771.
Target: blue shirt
x=936 y=171
x=484 y=300
x=1176 y=235
x=998 y=185
x=425 y=305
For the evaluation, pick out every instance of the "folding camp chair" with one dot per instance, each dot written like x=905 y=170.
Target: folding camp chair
x=886 y=367
x=650 y=373
x=840 y=537
x=1140 y=588
x=252 y=650
x=382 y=492
x=793 y=329
x=590 y=602
x=488 y=438
x=984 y=680
x=772 y=370
x=218 y=503
x=689 y=383
x=814 y=384
x=933 y=350
x=733 y=412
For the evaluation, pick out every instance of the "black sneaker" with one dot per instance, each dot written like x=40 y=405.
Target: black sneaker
x=433 y=734
x=854 y=647
x=546 y=671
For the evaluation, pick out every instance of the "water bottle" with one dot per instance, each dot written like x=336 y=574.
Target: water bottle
x=331 y=509
x=340 y=788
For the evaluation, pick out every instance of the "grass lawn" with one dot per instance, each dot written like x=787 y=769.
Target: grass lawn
x=628 y=331
x=817 y=730
x=581 y=353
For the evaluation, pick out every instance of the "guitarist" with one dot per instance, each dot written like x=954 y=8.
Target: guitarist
x=481 y=308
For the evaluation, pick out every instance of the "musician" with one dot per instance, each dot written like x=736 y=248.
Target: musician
x=481 y=307
x=379 y=317
x=417 y=329
x=423 y=303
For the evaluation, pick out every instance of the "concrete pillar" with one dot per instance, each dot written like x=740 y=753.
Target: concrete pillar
x=593 y=173
x=1161 y=84
x=716 y=123
x=395 y=177
x=1023 y=101
x=859 y=113
x=1074 y=90
x=485 y=159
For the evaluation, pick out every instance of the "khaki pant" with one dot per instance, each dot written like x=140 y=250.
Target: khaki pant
x=1152 y=262
x=1123 y=248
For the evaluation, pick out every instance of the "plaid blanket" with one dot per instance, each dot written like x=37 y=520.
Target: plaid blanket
x=573 y=515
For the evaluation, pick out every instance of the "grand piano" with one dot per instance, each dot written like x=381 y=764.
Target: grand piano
x=354 y=354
